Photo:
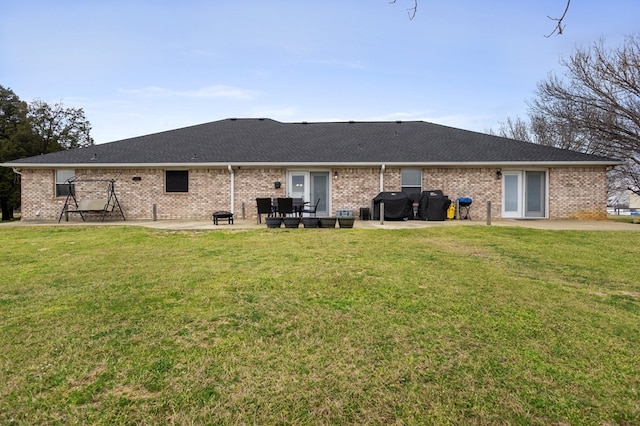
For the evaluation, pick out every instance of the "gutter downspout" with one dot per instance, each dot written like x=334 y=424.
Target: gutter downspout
x=382 y=177
x=16 y=171
x=233 y=187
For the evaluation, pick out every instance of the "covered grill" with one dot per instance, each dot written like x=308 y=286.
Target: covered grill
x=433 y=205
x=397 y=206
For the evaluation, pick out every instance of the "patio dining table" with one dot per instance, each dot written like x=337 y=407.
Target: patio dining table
x=297 y=205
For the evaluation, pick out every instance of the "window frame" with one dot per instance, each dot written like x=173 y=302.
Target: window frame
x=411 y=185
x=61 y=187
x=176 y=181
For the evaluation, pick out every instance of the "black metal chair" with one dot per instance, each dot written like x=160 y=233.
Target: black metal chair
x=264 y=207
x=298 y=205
x=285 y=206
x=311 y=209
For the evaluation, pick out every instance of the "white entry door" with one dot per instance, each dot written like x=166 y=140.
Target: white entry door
x=524 y=194
x=311 y=186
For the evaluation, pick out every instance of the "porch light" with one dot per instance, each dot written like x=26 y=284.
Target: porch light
x=335 y=174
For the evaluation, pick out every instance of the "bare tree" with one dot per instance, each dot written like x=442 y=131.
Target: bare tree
x=516 y=128
x=595 y=108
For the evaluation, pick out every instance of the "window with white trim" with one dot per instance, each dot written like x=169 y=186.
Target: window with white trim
x=176 y=180
x=64 y=182
x=412 y=183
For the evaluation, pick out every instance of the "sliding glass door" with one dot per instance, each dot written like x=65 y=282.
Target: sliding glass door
x=535 y=196
x=524 y=194
x=311 y=186
x=511 y=194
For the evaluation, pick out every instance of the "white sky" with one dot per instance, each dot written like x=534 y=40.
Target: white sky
x=140 y=66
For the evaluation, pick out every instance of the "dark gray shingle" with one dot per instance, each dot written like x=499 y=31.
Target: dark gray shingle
x=269 y=141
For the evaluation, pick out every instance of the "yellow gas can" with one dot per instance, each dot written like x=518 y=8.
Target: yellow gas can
x=451 y=211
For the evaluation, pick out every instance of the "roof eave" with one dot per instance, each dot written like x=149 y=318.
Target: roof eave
x=18 y=165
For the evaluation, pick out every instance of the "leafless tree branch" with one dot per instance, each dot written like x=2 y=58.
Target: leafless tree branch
x=559 y=28
x=412 y=10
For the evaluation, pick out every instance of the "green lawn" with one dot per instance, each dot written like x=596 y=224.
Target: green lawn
x=624 y=219
x=442 y=325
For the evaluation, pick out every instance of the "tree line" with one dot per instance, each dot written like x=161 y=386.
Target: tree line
x=34 y=128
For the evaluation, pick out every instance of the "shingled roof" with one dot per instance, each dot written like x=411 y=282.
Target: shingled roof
x=266 y=141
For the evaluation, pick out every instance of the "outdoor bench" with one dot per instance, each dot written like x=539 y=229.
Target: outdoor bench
x=95 y=205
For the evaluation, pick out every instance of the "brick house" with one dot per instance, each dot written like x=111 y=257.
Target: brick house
x=225 y=165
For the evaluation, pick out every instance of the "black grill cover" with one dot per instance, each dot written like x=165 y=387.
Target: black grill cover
x=433 y=205
x=397 y=206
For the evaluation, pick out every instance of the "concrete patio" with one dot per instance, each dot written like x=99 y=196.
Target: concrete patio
x=243 y=224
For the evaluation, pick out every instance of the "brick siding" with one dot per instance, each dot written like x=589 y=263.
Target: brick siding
x=575 y=192
x=578 y=193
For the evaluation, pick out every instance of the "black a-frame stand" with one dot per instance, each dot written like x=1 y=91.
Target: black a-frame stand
x=101 y=205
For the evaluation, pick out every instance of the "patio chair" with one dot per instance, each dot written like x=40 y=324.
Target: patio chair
x=298 y=205
x=264 y=207
x=311 y=209
x=285 y=206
